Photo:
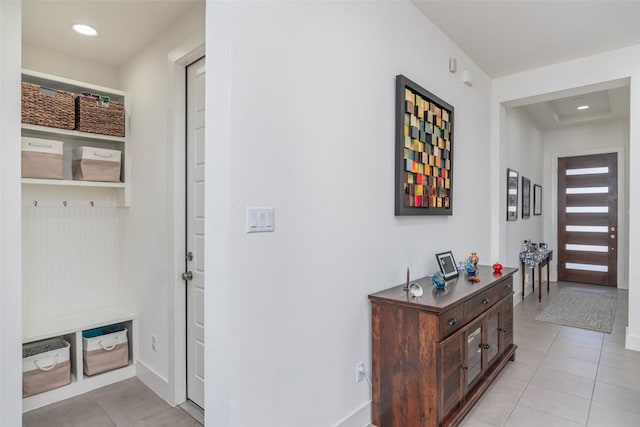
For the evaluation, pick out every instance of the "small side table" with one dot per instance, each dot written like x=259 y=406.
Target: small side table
x=538 y=258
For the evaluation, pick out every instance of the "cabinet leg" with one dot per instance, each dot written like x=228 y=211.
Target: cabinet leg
x=539 y=283
x=513 y=357
x=523 y=270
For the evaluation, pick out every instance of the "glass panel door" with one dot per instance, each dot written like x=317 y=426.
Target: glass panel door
x=493 y=337
x=474 y=353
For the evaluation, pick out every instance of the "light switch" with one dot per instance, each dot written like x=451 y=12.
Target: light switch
x=259 y=220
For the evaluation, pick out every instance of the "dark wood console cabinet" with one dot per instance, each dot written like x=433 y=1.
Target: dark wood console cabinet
x=433 y=356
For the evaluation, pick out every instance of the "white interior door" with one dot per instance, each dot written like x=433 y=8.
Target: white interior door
x=195 y=231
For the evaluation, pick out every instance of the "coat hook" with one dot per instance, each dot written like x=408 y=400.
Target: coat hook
x=91 y=203
x=64 y=203
x=35 y=203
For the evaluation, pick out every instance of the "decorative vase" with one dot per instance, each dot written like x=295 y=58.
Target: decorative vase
x=497 y=267
x=474 y=258
x=470 y=269
x=438 y=280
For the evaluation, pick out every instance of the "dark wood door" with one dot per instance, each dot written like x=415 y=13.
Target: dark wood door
x=451 y=380
x=588 y=219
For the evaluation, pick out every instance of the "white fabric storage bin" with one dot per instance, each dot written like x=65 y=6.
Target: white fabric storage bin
x=96 y=164
x=105 y=352
x=41 y=158
x=45 y=366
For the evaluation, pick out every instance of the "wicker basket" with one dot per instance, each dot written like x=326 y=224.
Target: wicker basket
x=95 y=117
x=47 y=107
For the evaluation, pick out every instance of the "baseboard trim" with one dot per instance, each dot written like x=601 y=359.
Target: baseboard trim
x=361 y=417
x=155 y=382
x=632 y=342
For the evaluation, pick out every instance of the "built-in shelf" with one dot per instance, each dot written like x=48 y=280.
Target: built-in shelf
x=72 y=183
x=68 y=135
x=68 y=324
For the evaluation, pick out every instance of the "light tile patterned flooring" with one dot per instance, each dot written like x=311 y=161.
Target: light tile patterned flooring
x=125 y=404
x=564 y=376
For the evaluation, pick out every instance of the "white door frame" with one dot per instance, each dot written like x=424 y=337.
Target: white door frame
x=179 y=58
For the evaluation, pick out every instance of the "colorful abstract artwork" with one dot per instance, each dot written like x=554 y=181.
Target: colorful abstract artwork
x=424 y=151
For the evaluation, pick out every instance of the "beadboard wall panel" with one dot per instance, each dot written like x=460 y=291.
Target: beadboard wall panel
x=70 y=260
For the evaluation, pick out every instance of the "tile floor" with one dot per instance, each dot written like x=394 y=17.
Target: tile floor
x=125 y=404
x=564 y=376
x=561 y=377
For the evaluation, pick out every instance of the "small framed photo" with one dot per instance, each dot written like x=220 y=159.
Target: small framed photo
x=537 y=199
x=447 y=265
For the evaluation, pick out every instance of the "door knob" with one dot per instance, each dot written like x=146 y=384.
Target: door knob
x=189 y=256
x=188 y=275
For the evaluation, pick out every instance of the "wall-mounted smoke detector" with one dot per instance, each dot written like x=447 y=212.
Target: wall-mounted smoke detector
x=85 y=30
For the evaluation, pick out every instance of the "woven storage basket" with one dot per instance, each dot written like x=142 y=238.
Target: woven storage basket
x=47 y=107
x=95 y=117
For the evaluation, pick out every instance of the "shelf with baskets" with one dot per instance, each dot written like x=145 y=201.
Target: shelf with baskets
x=70 y=329
x=73 y=232
x=52 y=121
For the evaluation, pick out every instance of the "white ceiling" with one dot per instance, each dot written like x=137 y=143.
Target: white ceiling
x=510 y=36
x=609 y=104
x=506 y=37
x=125 y=27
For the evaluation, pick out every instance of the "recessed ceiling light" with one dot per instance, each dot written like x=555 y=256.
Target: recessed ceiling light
x=583 y=107
x=85 y=30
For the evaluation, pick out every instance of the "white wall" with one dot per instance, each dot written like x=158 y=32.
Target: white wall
x=601 y=137
x=611 y=69
x=300 y=113
x=10 y=245
x=60 y=64
x=524 y=155
x=149 y=256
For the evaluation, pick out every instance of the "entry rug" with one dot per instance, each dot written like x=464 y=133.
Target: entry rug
x=585 y=310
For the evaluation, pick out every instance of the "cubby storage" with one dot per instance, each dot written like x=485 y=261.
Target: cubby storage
x=73 y=139
x=70 y=328
x=72 y=241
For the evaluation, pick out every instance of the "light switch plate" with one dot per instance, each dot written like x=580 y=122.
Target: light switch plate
x=260 y=220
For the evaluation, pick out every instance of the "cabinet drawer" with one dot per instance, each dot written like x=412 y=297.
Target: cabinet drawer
x=451 y=321
x=478 y=304
x=506 y=287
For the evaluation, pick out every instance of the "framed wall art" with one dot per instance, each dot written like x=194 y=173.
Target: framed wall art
x=424 y=151
x=537 y=199
x=447 y=265
x=512 y=195
x=526 y=197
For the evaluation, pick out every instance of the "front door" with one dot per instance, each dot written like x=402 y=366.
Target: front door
x=195 y=231
x=588 y=219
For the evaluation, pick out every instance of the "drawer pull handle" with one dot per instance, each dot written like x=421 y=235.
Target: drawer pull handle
x=485 y=301
x=465 y=367
x=504 y=331
x=507 y=287
x=453 y=321
x=485 y=346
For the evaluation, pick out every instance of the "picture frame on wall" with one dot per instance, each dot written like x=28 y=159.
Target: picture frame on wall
x=447 y=265
x=424 y=151
x=537 y=199
x=512 y=194
x=526 y=197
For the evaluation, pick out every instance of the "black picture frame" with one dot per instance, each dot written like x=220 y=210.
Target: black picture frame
x=512 y=194
x=526 y=197
x=447 y=264
x=426 y=144
x=537 y=199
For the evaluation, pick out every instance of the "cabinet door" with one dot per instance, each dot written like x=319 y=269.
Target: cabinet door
x=473 y=353
x=451 y=378
x=491 y=341
x=506 y=324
